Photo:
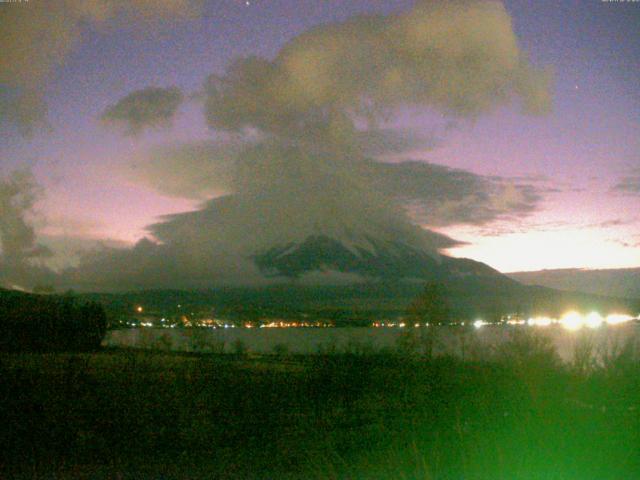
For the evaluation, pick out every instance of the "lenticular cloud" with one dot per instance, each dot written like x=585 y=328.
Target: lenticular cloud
x=296 y=184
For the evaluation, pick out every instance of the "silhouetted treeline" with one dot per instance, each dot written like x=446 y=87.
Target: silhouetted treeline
x=41 y=323
x=431 y=306
x=465 y=298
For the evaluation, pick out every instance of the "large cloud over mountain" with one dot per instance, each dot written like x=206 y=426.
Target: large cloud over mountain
x=433 y=194
x=300 y=139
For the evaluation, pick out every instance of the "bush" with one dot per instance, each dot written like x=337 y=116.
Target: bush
x=239 y=348
x=42 y=323
x=527 y=350
x=281 y=350
x=199 y=339
x=584 y=359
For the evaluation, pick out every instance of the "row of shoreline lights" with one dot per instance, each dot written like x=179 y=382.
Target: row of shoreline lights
x=570 y=320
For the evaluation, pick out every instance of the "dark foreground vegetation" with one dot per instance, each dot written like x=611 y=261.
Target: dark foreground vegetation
x=138 y=415
x=49 y=323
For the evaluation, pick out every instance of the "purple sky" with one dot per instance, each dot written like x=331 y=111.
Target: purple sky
x=575 y=156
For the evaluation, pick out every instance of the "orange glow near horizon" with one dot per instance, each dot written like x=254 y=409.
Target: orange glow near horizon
x=538 y=250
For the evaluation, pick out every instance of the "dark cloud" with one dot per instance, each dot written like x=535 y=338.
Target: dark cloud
x=151 y=107
x=23 y=108
x=37 y=37
x=201 y=170
x=18 y=193
x=439 y=196
x=19 y=250
x=518 y=226
x=150 y=264
x=629 y=185
x=67 y=249
x=386 y=142
x=616 y=222
x=197 y=170
x=627 y=244
x=461 y=57
x=433 y=194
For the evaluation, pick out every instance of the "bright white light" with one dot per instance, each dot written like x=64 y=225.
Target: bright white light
x=617 y=318
x=593 y=320
x=542 y=321
x=572 y=321
x=479 y=323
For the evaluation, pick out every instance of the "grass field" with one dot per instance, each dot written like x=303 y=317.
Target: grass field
x=142 y=415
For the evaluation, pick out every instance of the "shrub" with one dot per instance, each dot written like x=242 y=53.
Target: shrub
x=199 y=339
x=584 y=360
x=41 y=323
x=239 y=348
x=280 y=350
x=527 y=348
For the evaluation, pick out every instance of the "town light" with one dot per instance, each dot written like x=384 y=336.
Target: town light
x=617 y=318
x=572 y=321
x=594 y=320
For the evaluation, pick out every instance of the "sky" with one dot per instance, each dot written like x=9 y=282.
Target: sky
x=526 y=187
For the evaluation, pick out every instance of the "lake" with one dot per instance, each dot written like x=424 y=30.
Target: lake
x=455 y=340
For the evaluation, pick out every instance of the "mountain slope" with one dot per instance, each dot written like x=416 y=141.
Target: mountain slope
x=609 y=282
x=380 y=259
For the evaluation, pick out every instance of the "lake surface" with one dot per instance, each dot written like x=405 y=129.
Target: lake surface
x=464 y=342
